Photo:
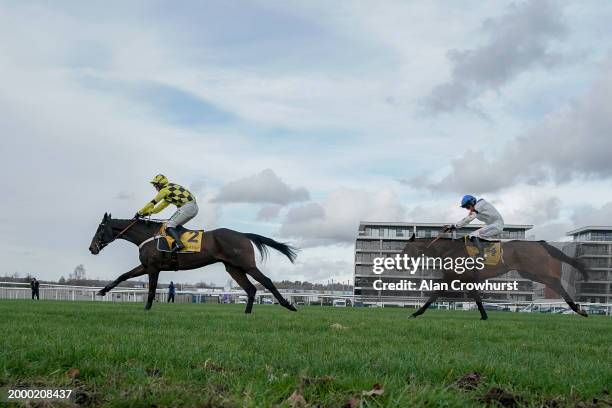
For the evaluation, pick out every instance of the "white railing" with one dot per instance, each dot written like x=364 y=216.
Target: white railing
x=18 y=290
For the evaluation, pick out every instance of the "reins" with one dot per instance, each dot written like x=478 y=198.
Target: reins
x=435 y=240
x=124 y=230
x=432 y=242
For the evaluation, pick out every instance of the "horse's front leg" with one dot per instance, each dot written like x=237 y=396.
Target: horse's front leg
x=137 y=271
x=431 y=299
x=153 y=275
x=481 y=309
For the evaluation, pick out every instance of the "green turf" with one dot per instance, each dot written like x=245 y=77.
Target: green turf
x=214 y=355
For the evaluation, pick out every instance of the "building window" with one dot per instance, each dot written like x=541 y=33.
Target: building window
x=597 y=263
x=601 y=236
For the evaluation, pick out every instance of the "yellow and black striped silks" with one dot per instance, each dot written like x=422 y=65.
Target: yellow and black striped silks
x=170 y=194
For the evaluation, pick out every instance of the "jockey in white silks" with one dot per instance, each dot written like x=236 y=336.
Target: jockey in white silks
x=483 y=211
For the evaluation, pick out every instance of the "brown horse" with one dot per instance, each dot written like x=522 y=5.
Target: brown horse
x=534 y=260
x=230 y=247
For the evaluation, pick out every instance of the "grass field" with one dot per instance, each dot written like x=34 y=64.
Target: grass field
x=214 y=355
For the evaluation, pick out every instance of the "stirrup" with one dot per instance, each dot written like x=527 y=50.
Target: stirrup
x=176 y=236
x=480 y=246
x=176 y=248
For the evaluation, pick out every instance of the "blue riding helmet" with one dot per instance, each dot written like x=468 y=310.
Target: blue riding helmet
x=468 y=200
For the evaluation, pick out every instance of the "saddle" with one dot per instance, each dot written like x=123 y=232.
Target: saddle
x=192 y=239
x=492 y=250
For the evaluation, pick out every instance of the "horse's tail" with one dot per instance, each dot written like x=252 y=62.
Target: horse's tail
x=563 y=257
x=262 y=244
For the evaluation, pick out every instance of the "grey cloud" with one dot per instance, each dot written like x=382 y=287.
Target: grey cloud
x=572 y=143
x=197 y=186
x=537 y=211
x=336 y=219
x=419 y=181
x=420 y=213
x=269 y=212
x=582 y=216
x=552 y=231
x=124 y=195
x=264 y=187
x=308 y=212
x=590 y=215
x=518 y=41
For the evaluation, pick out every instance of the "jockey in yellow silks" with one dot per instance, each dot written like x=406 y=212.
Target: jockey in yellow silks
x=170 y=193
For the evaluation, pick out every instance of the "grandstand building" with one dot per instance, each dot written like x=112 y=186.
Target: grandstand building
x=593 y=246
x=387 y=239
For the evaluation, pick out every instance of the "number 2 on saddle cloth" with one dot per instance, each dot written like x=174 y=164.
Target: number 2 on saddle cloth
x=493 y=251
x=191 y=239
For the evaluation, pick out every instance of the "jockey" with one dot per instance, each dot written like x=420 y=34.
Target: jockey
x=170 y=193
x=483 y=211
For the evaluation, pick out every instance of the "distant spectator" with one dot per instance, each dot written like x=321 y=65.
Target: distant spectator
x=171 y=292
x=34 y=284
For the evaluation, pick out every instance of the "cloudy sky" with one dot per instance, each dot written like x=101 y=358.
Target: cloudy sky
x=296 y=120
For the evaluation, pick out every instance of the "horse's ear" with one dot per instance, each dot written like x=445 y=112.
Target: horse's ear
x=105 y=217
x=412 y=237
x=109 y=216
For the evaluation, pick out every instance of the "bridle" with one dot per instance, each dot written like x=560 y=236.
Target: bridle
x=101 y=246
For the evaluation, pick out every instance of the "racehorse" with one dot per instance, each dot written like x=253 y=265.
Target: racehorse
x=535 y=260
x=232 y=248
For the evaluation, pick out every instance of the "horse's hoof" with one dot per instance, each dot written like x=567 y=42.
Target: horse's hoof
x=412 y=316
x=581 y=312
x=484 y=318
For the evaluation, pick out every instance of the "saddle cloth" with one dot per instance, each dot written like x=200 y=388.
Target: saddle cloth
x=191 y=239
x=492 y=249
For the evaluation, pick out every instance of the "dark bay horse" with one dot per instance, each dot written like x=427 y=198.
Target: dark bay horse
x=230 y=247
x=534 y=260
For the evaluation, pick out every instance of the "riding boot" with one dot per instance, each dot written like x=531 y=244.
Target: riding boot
x=178 y=245
x=479 y=245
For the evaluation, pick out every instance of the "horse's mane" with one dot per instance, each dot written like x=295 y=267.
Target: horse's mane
x=429 y=239
x=122 y=223
x=152 y=221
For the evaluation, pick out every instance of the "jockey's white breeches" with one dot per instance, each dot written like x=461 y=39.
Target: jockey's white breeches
x=183 y=214
x=488 y=231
